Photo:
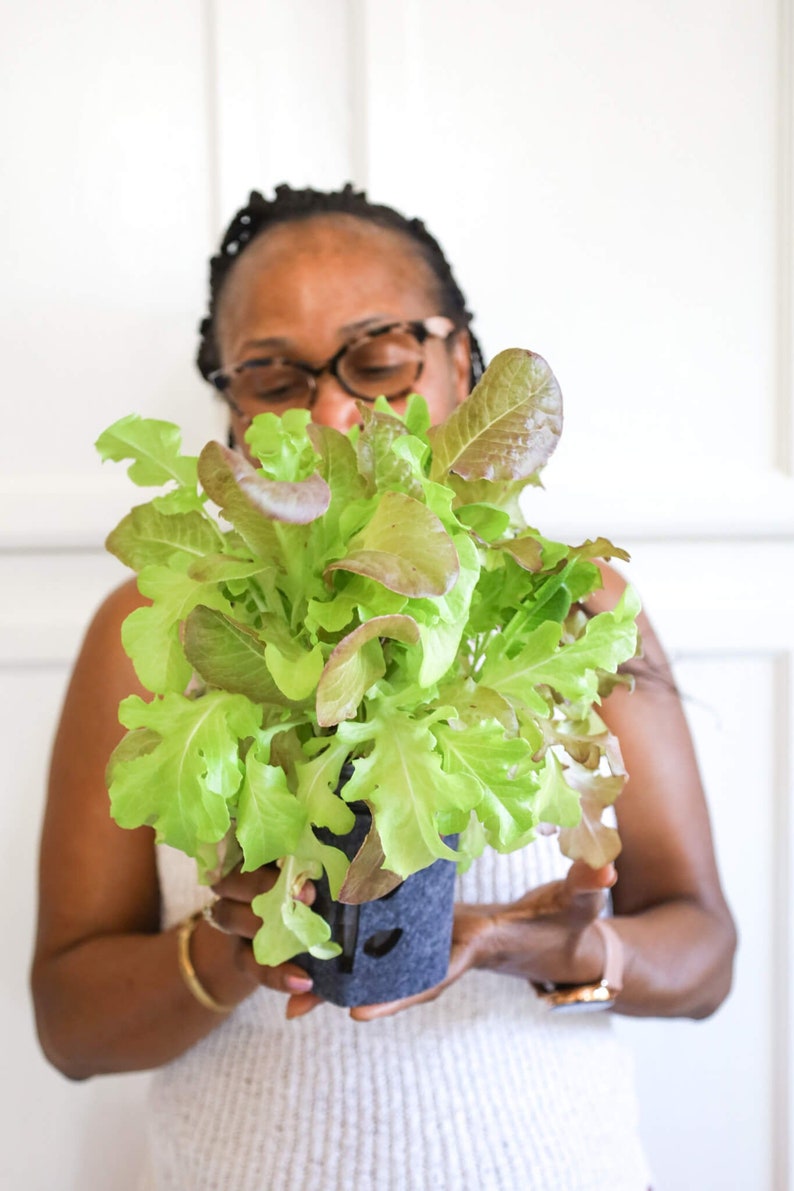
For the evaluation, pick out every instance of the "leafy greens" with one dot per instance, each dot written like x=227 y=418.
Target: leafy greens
x=374 y=598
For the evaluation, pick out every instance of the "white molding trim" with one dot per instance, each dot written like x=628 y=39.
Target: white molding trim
x=77 y=512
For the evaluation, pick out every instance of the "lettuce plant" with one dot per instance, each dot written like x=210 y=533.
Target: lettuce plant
x=374 y=598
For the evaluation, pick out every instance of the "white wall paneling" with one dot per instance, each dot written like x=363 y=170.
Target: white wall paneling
x=615 y=188
x=734 y=659
x=287 y=87
x=583 y=166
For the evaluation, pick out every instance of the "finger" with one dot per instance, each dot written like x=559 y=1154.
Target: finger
x=287 y=978
x=300 y=1004
x=242 y=887
x=583 y=894
x=389 y=1008
x=458 y=964
x=581 y=879
x=235 y=917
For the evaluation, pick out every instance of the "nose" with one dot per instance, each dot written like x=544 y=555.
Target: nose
x=332 y=406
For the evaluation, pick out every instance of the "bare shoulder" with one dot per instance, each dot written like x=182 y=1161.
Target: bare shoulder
x=94 y=877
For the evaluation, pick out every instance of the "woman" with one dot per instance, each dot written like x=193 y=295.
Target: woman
x=476 y=1083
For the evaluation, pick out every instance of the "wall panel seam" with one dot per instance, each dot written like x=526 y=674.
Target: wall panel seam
x=782 y=943
x=211 y=82
x=358 y=91
x=784 y=270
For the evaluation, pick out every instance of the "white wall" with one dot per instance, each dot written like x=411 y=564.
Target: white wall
x=614 y=185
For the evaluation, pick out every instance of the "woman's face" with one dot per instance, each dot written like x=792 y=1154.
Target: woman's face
x=303 y=290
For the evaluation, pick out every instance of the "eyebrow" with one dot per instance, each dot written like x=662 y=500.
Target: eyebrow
x=279 y=341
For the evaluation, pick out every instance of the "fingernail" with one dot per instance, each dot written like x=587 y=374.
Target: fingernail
x=299 y=984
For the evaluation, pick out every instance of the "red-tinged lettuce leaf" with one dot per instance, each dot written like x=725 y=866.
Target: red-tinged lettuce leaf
x=146 y=536
x=183 y=787
x=599 y=548
x=154 y=448
x=586 y=741
x=356 y=663
x=592 y=840
x=525 y=549
x=240 y=492
x=366 y=878
x=228 y=655
x=405 y=548
x=507 y=427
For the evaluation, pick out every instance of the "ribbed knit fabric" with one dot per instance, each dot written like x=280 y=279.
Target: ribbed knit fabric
x=481 y=1090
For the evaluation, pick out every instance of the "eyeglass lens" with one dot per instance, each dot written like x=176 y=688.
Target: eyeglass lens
x=379 y=365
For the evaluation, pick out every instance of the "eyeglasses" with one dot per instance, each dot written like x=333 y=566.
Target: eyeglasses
x=387 y=361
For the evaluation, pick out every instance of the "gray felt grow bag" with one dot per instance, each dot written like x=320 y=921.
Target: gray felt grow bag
x=393 y=947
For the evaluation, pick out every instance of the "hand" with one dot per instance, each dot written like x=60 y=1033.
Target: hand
x=232 y=913
x=542 y=936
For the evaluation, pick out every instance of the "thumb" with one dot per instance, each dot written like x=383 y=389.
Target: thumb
x=585 y=889
x=582 y=879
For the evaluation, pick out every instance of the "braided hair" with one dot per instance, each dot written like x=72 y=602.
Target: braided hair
x=289 y=206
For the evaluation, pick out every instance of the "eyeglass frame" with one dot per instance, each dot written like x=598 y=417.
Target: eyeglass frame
x=422 y=329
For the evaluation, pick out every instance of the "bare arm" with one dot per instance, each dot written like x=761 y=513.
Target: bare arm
x=107 y=989
x=669 y=908
x=671 y=912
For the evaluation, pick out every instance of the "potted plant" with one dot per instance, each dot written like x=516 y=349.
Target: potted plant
x=374 y=601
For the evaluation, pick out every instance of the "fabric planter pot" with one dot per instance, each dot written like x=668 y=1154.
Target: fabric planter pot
x=393 y=947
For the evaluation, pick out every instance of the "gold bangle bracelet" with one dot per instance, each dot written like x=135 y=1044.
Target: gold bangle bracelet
x=184 y=934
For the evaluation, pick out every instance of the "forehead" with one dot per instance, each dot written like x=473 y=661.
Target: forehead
x=317 y=274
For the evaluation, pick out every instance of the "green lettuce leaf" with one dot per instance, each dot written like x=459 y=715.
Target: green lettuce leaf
x=154 y=448
x=151 y=634
x=506 y=808
x=183 y=787
x=403 y=782
x=146 y=536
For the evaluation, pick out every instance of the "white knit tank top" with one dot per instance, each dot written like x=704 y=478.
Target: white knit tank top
x=481 y=1090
